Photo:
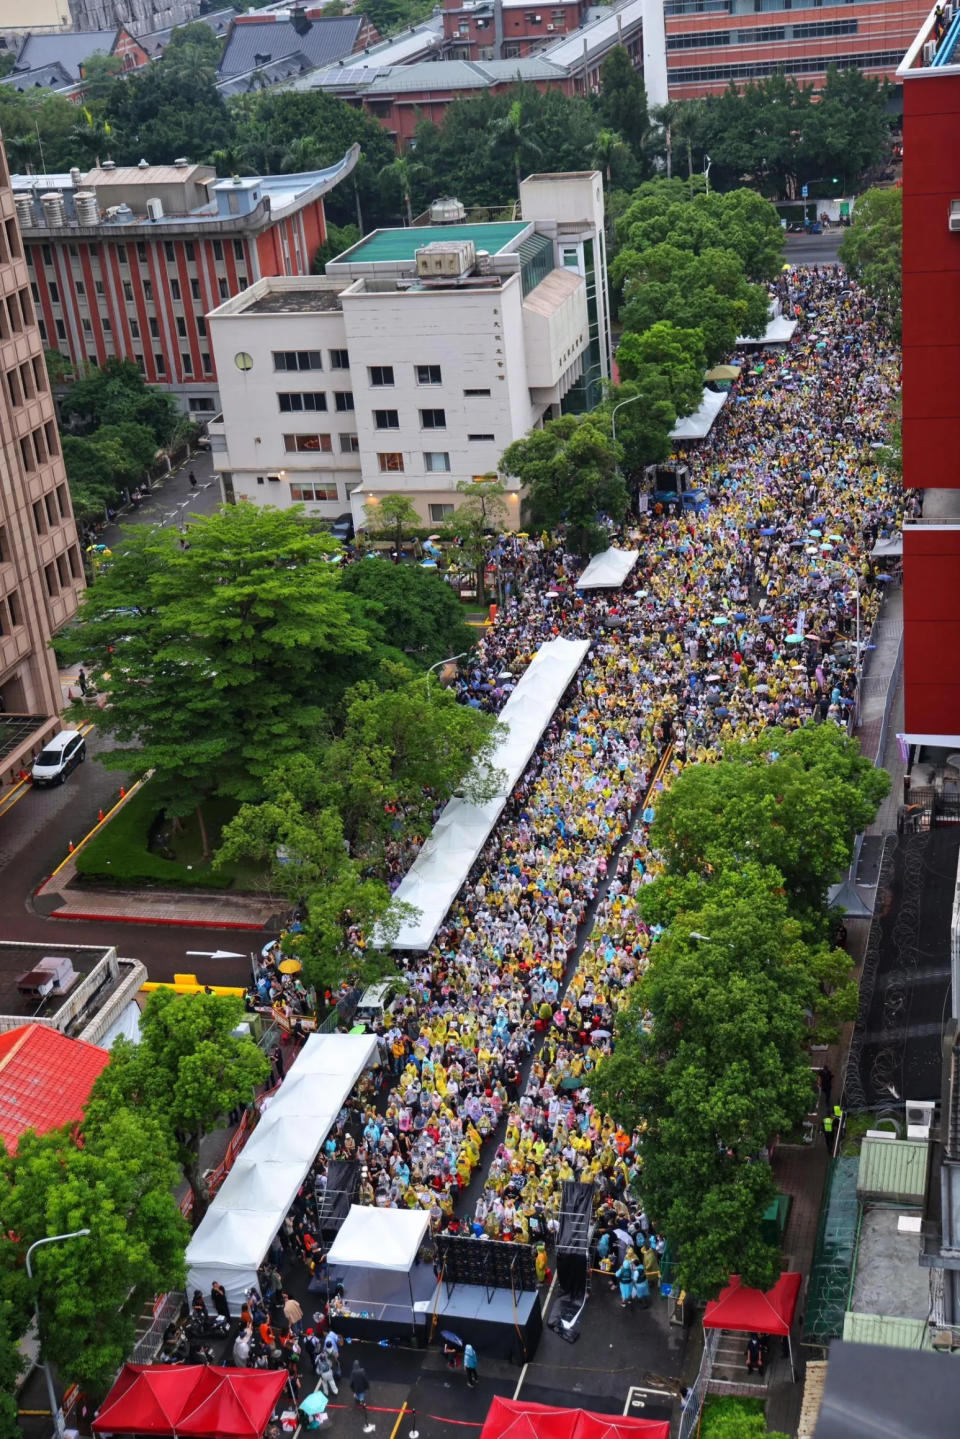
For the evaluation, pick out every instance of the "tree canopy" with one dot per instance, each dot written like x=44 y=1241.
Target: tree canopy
x=183 y=1078
x=569 y=469
x=410 y=609
x=118 y=1182
x=872 y=250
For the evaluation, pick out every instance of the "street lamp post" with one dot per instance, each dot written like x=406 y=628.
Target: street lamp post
x=707 y=162
x=451 y=659
x=55 y=1414
x=631 y=400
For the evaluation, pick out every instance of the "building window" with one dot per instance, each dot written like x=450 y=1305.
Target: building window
x=238 y=249
x=13 y=605
x=39 y=523
x=386 y=419
x=181 y=327
x=63 y=502
x=98 y=288
x=195 y=289
x=207 y=363
x=339 y=359
x=128 y=292
x=390 y=462
x=476 y=393
x=169 y=251
x=61 y=330
x=217 y=250
x=87 y=327
x=439 y=513
x=242 y=281
x=350 y=444
x=297 y=360
x=155 y=328
x=224 y=289
x=134 y=330
x=189 y=252
x=295 y=402
x=54 y=292
x=428 y=375
x=187 y=362
x=160 y=363
x=201 y=402
x=436 y=461
x=314 y=492
x=122 y=254
x=381 y=374
x=50 y=575
x=141 y=252
x=175 y=289
x=306 y=444
x=433 y=419
x=201 y=324
x=148 y=289
x=81 y=290
x=480 y=437
x=343 y=400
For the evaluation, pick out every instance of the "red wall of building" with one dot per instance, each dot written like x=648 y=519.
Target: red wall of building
x=931 y=283
x=931 y=631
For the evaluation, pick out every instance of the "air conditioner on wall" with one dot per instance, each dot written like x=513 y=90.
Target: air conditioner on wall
x=929 y=50
x=953 y=217
x=920 y=1118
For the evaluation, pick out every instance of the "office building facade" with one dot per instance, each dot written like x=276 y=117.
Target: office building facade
x=416 y=360
x=128 y=262
x=41 y=568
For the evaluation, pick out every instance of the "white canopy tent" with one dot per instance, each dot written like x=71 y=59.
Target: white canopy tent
x=890 y=548
x=236 y=1231
x=433 y=880
x=608 y=570
x=698 y=425
x=379 y=1238
x=779 y=330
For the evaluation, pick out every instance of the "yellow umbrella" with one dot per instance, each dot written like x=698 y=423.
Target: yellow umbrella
x=290 y=966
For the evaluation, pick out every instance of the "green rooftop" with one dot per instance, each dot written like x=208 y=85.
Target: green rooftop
x=386 y=246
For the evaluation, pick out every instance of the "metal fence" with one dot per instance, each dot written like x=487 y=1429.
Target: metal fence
x=167 y=1310
x=696 y=1398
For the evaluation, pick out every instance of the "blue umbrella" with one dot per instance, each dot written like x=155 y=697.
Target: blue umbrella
x=884 y=578
x=764 y=619
x=314 y=1403
x=720 y=620
x=794 y=639
x=739 y=615
x=770 y=530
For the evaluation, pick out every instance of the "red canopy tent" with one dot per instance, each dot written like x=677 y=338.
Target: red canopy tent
x=750 y=1311
x=510 y=1419
x=194 y=1400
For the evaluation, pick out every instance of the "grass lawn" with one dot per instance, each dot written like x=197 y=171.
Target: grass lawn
x=134 y=849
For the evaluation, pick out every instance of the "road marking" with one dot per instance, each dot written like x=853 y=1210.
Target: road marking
x=213 y=954
x=13 y=798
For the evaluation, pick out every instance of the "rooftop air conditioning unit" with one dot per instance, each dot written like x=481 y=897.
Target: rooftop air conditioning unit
x=155 y=208
x=551 y=27
x=920 y=1118
x=929 y=50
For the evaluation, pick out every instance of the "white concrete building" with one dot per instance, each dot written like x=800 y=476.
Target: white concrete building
x=416 y=360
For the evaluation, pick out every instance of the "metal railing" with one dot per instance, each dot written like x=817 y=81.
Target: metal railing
x=693 y=1405
x=167 y=1309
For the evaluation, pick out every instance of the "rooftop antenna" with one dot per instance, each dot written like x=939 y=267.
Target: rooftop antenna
x=43 y=163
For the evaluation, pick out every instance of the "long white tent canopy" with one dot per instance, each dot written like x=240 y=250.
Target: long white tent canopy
x=237 y=1229
x=608 y=570
x=379 y=1238
x=698 y=425
x=433 y=880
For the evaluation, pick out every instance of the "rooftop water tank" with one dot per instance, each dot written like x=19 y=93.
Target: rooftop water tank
x=88 y=211
x=76 y=178
x=447 y=212
x=54 y=212
x=25 y=215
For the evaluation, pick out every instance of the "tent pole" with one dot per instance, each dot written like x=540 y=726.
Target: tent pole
x=793 y=1371
x=413 y=1315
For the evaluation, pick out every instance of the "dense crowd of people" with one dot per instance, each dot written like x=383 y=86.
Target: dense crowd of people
x=744 y=616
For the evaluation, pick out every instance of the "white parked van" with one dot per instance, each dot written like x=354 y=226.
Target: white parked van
x=59 y=757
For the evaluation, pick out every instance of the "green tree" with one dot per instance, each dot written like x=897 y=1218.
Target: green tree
x=569 y=469
x=482 y=511
x=400 y=174
x=11 y=1368
x=392 y=517
x=608 y=149
x=794 y=799
x=115 y=394
x=119 y=1184
x=516 y=134
x=172 y=106
x=848 y=131
x=711 y=1062
x=674 y=357
x=622 y=102
x=872 y=250
x=183 y=1078
x=99 y=72
x=339 y=238
x=412 y=609
x=226 y=654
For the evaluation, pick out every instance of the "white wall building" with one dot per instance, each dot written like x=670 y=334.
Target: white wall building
x=416 y=360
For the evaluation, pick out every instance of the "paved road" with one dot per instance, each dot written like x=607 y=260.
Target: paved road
x=35 y=832
x=814 y=249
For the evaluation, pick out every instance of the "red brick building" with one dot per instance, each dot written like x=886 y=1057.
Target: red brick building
x=713 y=42
x=505 y=29
x=128 y=262
x=56 y=61
x=931 y=383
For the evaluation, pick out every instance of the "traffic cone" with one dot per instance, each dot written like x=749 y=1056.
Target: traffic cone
x=100 y=816
x=71 y=846
x=123 y=792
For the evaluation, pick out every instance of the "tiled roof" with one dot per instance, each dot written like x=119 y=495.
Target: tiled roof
x=45 y=1078
x=44 y=77
x=70 y=49
x=253 y=44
